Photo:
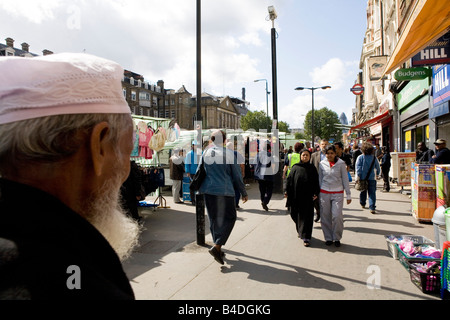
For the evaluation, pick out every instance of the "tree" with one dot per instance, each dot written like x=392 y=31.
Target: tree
x=325 y=121
x=301 y=136
x=256 y=120
x=283 y=127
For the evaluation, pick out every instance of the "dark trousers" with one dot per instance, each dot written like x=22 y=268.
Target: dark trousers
x=265 y=190
x=222 y=217
x=385 y=173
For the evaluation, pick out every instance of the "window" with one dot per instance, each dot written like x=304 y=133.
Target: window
x=172 y=114
x=124 y=92
x=144 y=96
x=133 y=95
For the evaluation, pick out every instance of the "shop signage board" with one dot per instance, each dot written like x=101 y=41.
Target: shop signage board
x=377 y=64
x=436 y=53
x=401 y=167
x=441 y=84
x=412 y=74
x=357 y=89
x=412 y=92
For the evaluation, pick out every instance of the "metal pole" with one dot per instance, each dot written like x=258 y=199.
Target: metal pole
x=312 y=120
x=274 y=74
x=267 y=97
x=199 y=203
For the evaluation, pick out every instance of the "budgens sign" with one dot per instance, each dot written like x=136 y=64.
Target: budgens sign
x=412 y=74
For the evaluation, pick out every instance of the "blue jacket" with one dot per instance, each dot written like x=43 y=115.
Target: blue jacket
x=191 y=162
x=264 y=169
x=222 y=173
x=363 y=165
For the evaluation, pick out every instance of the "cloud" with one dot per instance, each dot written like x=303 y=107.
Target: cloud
x=295 y=112
x=334 y=73
x=37 y=11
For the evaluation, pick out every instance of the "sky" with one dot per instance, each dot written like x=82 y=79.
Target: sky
x=318 y=43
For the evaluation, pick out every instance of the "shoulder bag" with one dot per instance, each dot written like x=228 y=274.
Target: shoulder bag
x=198 y=178
x=363 y=185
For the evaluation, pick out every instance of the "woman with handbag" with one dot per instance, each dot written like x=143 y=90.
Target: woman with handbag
x=365 y=166
x=221 y=175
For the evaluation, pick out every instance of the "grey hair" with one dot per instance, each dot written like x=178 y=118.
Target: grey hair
x=52 y=139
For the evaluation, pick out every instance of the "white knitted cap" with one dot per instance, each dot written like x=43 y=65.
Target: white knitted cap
x=65 y=83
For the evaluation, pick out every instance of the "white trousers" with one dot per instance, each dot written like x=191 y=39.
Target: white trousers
x=331 y=216
x=176 y=188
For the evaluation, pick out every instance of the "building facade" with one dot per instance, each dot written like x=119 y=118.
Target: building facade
x=153 y=100
x=394 y=111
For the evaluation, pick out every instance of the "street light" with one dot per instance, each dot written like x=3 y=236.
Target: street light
x=267 y=94
x=273 y=15
x=312 y=114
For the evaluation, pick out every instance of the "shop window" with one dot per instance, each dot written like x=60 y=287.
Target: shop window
x=407 y=141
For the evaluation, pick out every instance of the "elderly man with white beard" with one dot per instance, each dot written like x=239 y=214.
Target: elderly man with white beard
x=66 y=135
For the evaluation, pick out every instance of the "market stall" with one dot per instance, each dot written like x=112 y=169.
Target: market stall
x=149 y=141
x=401 y=167
x=423 y=191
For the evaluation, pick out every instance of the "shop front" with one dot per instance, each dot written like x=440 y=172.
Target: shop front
x=440 y=110
x=413 y=104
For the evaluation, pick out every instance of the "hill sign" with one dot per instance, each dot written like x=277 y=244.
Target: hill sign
x=357 y=89
x=412 y=74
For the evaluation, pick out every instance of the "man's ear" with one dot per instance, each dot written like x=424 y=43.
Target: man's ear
x=99 y=147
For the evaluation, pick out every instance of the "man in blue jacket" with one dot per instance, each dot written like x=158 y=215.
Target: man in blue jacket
x=190 y=165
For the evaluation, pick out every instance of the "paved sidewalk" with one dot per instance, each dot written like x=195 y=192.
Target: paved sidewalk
x=266 y=261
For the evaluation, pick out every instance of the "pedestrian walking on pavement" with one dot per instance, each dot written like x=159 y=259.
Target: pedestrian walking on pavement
x=240 y=161
x=264 y=173
x=316 y=158
x=191 y=164
x=66 y=135
x=385 y=168
x=302 y=188
x=333 y=181
x=363 y=165
x=222 y=175
x=176 y=166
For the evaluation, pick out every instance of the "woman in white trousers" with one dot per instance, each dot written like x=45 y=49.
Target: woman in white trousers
x=333 y=180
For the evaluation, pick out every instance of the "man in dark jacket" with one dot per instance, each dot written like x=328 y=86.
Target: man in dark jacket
x=423 y=154
x=63 y=159
x=442 y=154
x=385 y=168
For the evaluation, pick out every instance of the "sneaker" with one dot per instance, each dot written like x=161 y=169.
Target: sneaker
x=363 y=206
x=372 y=211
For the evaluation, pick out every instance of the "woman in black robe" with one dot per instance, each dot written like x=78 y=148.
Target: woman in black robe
x=302 y=188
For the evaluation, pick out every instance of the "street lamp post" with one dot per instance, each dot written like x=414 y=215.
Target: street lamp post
x=312 y=114
x=267 y=94
x=199 y=200
x=273 y=15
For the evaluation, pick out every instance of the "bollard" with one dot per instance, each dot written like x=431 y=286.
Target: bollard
x=200 y=214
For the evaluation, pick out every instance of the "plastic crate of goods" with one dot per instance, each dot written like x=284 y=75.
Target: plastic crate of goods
x=445 y=272
x=409 y=253
x=426 y=276
x=392 y=240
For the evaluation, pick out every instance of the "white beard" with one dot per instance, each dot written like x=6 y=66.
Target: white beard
x=103 y=211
